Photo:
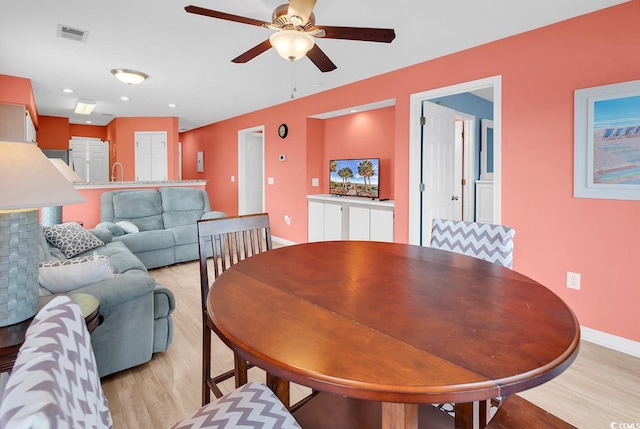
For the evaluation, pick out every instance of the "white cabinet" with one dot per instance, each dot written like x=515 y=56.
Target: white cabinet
x=484 y=201
x=325 y=221
x=344 y=218
x=16 y=123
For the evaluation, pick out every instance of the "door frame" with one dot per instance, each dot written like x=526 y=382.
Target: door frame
x=242 y=171
x=415 y=112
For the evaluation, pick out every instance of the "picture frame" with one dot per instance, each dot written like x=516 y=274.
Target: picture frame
x=607 y=142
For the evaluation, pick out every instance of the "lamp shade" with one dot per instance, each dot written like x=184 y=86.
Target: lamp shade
x=66 y=171
x=291 y=44
x=30 y=180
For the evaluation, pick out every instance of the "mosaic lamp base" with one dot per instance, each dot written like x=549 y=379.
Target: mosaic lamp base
x=18 y=266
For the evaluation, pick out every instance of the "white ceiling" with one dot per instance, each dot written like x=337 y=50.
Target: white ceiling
x=188 y=57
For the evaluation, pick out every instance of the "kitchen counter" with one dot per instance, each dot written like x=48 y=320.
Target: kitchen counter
x=138 y=184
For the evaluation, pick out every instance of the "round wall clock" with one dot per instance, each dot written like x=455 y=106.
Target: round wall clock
x=283 y=130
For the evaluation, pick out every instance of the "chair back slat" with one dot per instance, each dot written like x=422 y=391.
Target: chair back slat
x=223 y=242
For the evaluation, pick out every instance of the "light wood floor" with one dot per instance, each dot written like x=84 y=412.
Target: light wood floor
x=600 y=388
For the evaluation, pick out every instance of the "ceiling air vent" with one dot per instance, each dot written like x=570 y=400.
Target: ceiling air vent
x=71 y=33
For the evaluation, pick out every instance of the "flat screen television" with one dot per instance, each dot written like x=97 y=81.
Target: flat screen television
x=355 y=177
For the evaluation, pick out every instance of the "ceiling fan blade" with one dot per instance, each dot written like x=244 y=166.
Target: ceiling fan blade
x=301 y=8
x=385 y=35
x=320 y=59
x=253 y=52
x=226 y=16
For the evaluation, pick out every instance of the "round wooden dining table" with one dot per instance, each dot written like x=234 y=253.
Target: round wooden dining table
x=395 y=324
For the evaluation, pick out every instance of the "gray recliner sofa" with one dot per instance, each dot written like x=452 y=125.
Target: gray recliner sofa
x=166 y=219
x=136 y=311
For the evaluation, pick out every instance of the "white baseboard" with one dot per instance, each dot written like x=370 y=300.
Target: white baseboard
x=282 y=241
x=610 y=341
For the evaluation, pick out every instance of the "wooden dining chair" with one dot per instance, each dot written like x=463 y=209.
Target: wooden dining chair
x=224 y=242
x=493 y=243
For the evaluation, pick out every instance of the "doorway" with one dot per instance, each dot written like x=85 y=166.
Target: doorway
x=251 y=170
x=419 y=203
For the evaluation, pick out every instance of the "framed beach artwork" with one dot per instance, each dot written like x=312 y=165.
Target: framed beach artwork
x=607 y=142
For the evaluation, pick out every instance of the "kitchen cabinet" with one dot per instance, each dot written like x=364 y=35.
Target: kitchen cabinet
x=16 y=123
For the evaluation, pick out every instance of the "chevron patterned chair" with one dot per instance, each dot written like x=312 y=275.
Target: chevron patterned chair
x=251 y=405
x=55 y=381
x=493 y=243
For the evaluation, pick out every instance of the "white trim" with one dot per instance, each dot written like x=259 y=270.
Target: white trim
x=610 y=341
x=282 y=241
x=415 y=109
x=469 y=189
x=242 y=138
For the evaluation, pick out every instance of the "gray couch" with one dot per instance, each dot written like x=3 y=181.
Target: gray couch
x=166 y=219
x=136 y=311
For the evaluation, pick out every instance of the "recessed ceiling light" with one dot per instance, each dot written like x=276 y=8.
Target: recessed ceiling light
x=124 y=98
x=89 y=122
x=67 y=90
x=353 y=111
x=317 y=85
x=172 y=105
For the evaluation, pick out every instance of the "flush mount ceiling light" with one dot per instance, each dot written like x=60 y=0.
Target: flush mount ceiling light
x=131 y=77
x=85 y=107
x=291 y=44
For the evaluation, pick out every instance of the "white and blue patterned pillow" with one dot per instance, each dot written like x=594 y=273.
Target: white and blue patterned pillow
x=71 y=238
x=70 y=274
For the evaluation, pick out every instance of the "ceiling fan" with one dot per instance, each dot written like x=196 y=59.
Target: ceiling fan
x=295 y=26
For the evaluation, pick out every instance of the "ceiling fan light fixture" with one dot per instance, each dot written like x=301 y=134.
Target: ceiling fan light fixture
x=128 y=76
x=291 y=44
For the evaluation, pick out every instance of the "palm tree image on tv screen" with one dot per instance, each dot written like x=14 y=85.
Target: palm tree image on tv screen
x=355 y=177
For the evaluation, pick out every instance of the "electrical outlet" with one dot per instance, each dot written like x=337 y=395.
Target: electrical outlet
x=573 y=280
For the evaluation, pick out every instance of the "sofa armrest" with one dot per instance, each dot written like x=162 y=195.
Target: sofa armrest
x=213 y=215
x=121 y=288
x=164 y=302
x=103 y=234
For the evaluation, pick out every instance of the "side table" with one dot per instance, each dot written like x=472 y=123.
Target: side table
x=12 y=337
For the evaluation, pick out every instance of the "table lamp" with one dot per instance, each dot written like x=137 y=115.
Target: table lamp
x=53 y=215
x=28 y=181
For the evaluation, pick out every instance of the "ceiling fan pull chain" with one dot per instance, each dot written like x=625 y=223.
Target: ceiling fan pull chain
x=293 y=80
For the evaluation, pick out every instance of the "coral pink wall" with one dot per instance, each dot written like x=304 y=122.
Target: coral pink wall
x=121 y=132
x=18 y=90
x=366 y=134
x=93 y=131
x=53 y=133
x=540 y=71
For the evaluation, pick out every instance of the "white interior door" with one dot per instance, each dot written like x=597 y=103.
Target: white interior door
x=90 y=158
x=79 y=157
x=438 y=166
x=151 y=155
x=98 y=160
x=251 y=171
